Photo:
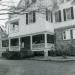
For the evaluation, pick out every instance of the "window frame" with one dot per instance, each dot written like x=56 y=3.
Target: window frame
x=66 y=14
x=65 y=31
x=58 y=17
x=30 y=17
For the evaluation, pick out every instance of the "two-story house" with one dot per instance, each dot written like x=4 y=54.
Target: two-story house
x=35 y=26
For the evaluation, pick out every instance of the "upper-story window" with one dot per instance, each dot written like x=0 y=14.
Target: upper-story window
x=14 y=26
x=49 y=16
x=58 y=16
x=30 y=17
x=68 y=14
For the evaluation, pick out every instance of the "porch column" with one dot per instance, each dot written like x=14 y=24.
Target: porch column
x=19 y=44
x=31 y=42
x=46 y=50
x=9 y=44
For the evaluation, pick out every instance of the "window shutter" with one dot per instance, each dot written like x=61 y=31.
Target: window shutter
x=64 y=13
x=26 y=18
x=71 y=33
x=59 y=15
x=72 y=14
x=51 y=17
x=46 y=15
x=34 y=16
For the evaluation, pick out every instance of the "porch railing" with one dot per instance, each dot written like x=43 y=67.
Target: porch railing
x=38 y=46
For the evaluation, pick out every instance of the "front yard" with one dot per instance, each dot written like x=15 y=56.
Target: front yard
x=31 y=67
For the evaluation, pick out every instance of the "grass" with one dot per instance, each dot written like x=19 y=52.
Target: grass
x=31 y=67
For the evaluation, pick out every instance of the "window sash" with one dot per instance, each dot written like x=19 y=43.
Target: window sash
x=58 y=16
x=30 y=17
x=49 y=16
x=68 y=13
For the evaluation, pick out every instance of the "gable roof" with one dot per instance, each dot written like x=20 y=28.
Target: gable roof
x=40 y=3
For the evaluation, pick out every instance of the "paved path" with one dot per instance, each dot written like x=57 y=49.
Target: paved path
x=49 y=58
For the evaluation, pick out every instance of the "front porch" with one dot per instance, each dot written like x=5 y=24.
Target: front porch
x=35 y=43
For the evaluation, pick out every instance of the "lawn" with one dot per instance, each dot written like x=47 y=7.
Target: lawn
x=31 y=67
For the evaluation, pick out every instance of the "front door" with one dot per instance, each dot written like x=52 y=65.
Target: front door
x=25 y=43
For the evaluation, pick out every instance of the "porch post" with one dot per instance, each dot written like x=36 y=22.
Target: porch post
x=9 y=44
x=46 y=50
x=19 y=44
x=31 y=42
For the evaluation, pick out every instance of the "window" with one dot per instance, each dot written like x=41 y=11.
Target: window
x=14 y=42
x=49 y=16
x=38 y=38
x=15 y=26
x=66 y=35
x=58 y=16
x=73 y=32
x=68 y=14
x=5 y=43
x=50 y=38
x=30 y=17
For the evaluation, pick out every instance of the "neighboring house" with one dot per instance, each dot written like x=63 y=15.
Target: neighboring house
x=35 y=31
x=3 y=36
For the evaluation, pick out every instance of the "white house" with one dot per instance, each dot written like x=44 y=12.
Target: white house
x=34 y=26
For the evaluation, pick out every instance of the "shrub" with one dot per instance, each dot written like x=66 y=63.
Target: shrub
x=63 y=50
x=38 y=53
x=17 y=54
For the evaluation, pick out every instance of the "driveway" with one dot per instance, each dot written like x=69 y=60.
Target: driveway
x=31 y=67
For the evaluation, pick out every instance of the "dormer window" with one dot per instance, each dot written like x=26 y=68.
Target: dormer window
x=30 y=17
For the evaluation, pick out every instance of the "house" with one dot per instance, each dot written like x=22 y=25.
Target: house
x=34 y=28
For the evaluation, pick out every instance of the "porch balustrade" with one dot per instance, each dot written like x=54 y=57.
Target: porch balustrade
x=38 y=46
x=14 y=48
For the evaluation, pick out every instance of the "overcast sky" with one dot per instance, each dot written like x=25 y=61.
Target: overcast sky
x=5 y=2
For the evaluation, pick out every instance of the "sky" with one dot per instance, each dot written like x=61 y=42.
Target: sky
x=3 y=18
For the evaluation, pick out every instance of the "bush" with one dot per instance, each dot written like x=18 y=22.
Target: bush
x=38 y=53
x=63 y=50
x=17 y=54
